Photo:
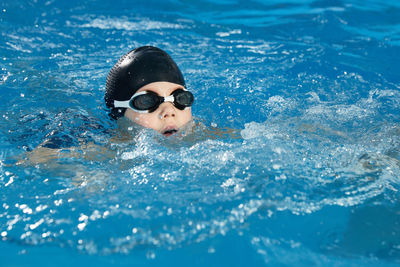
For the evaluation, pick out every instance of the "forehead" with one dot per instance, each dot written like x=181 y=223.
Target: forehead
x=161 y=88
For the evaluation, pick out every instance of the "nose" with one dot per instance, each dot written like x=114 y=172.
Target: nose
x=167 y=110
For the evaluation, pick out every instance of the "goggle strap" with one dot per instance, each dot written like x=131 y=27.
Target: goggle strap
x=121 y=104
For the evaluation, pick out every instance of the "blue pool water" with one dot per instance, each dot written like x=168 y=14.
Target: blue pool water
x=301 y=168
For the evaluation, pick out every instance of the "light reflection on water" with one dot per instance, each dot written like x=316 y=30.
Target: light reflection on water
x=165 y=194
x=298 y=152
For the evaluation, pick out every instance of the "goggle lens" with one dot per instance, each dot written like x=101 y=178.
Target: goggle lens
x=145 y=102
x=183 y=99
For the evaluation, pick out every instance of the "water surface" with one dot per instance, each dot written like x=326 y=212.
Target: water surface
x=310 y=177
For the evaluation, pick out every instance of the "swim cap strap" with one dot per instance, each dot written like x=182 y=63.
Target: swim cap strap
x=121 y=104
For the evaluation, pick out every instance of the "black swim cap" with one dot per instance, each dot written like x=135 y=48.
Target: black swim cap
x=134 y=70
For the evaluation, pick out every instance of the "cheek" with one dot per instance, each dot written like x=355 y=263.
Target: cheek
x=148 y=120
x=186 y=115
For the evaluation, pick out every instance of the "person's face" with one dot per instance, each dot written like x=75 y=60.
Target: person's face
x=166 y=119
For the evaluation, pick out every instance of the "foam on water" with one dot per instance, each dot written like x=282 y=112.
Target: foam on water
x=171 y=193
x=295 y=152
x=142 y=24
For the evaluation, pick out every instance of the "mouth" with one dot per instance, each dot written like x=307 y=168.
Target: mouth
x=169 y=132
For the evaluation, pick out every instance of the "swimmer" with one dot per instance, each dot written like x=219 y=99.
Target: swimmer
x=147 y=87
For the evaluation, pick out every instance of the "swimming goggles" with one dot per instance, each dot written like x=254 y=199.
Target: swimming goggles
x=148 y=101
